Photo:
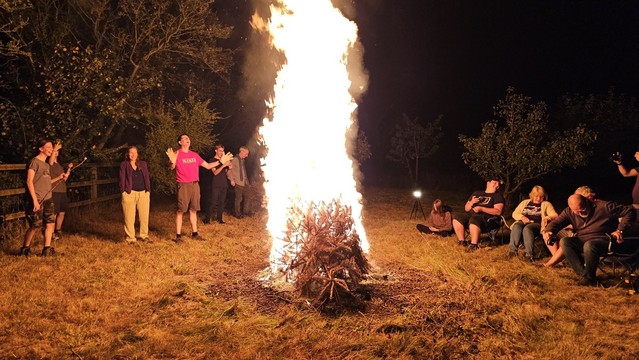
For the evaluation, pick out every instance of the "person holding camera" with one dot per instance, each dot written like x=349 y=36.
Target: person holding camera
x=616 y=158
x=596 y=224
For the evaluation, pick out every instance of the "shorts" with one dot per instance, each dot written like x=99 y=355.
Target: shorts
x=46 y=214
x=61 y=201
x=188 y=196
x=484 y=221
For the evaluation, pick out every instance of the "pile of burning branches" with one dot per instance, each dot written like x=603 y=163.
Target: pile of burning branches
x=323 y=252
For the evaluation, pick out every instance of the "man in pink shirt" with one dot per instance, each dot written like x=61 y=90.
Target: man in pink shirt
x=186 y=164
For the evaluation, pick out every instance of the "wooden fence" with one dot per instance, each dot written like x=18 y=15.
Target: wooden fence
x=89 y=184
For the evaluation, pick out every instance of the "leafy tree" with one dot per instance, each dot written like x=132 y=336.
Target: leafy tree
x=521 y=147
x=88 y=69
x=615 y=118
x=413 y=141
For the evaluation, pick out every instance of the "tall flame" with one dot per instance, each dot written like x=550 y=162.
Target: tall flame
x=312 y=112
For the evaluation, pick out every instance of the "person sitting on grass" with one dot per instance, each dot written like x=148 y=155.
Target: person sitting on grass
x=483 y=210
x=440 y=220
x=596 y=224
x=529 y=216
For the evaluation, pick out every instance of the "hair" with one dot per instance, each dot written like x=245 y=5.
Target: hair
x=537 y=191
x=243 y=147
x=180 y=137
x=219 y=145
x=438 y=206
x=586 y=192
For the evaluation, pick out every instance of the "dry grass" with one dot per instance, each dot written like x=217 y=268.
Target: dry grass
x=100 y=298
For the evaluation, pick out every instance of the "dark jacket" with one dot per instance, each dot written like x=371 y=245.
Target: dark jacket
x=126 y=176
x=603 y=219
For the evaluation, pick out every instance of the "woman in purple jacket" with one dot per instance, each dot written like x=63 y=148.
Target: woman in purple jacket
x=135 y=187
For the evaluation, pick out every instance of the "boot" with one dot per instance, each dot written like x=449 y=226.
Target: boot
x=25 y=250
x=48 y=251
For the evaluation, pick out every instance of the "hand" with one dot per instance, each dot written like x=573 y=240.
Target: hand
x=525 y=220
x=172 y=155
x=547 y=236
x=57 y=147
x=226 y=158
x=618 y=235
x=232 y=183
x=36 y=206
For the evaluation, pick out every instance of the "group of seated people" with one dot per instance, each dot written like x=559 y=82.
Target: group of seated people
x=583 y=232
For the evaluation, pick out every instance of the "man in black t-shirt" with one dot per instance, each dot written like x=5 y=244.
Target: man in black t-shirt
x=482 y=209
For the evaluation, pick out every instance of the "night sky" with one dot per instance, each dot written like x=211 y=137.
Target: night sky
x=456 y=58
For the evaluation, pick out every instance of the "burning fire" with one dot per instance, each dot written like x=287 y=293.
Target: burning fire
x=312 y=114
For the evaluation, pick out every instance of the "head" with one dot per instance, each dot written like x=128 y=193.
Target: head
x=184 y=141
x=637 y=155
x=132 y=154
x=586 y=192
x=219 y=150
x=45 y=146
x=537 y=194
x=579 y=205
x=437 y=205
x=244 y=152
x=493 y=183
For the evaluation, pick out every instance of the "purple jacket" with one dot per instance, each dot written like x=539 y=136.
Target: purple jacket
x=126 y=176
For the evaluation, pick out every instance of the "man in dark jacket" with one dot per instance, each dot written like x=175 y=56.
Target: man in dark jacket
x=595 y=223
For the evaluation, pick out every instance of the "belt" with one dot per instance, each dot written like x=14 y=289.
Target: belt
x=190 y=182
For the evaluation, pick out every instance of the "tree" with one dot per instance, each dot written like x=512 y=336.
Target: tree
x=615 y=118
x=520 y=146
x=87 y=70
x=412 y=141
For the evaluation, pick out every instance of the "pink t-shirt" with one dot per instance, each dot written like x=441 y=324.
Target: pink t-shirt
x=187 y=166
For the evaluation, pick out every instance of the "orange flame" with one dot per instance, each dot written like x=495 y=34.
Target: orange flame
x=312 y=113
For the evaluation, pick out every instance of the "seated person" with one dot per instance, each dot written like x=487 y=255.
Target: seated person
x=553 y=245
x=528 y=216
x=440 y=220
x=596 y=224
x=483 y=209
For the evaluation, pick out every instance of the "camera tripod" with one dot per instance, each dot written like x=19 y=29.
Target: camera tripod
x=417 y=206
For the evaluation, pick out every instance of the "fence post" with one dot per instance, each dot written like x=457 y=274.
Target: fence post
x=94 y=187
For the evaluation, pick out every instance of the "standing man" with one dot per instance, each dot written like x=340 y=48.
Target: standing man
x=39 y=208
x=629 y=173
x=239 y=179
x=596 y=224
x=483 y=210
x=186 y=164
x=219 y=185
x=59 y=189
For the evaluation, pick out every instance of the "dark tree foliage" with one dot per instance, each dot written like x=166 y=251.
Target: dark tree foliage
x=520 y=146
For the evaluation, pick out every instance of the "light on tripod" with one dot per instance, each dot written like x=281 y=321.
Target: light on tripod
x=417 y=205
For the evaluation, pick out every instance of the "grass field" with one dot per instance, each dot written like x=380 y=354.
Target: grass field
x=101 y=298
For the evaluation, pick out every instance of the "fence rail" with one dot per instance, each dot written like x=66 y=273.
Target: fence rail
x=95 y=183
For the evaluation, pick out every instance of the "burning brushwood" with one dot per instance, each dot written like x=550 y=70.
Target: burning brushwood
x=324 y=256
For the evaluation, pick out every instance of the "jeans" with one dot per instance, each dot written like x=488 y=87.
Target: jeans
x=218 y=202
x=529 y=231
x=584 y=265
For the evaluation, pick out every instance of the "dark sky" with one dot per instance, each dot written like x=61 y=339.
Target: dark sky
x=456 y=58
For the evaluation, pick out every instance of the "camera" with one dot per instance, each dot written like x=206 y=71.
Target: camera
x=615 y=157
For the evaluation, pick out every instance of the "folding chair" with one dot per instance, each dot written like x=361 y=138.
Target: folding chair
x=624 y=262
x=496 y=229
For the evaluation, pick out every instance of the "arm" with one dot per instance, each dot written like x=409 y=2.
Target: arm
x=122 y=177
x=147 y=178
x=31 y=188
x=209 y=166
x=556 y=224
x=517 y=213
x=172 y=157
x=496 y=210
x=624 y=171
x=469 y=204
